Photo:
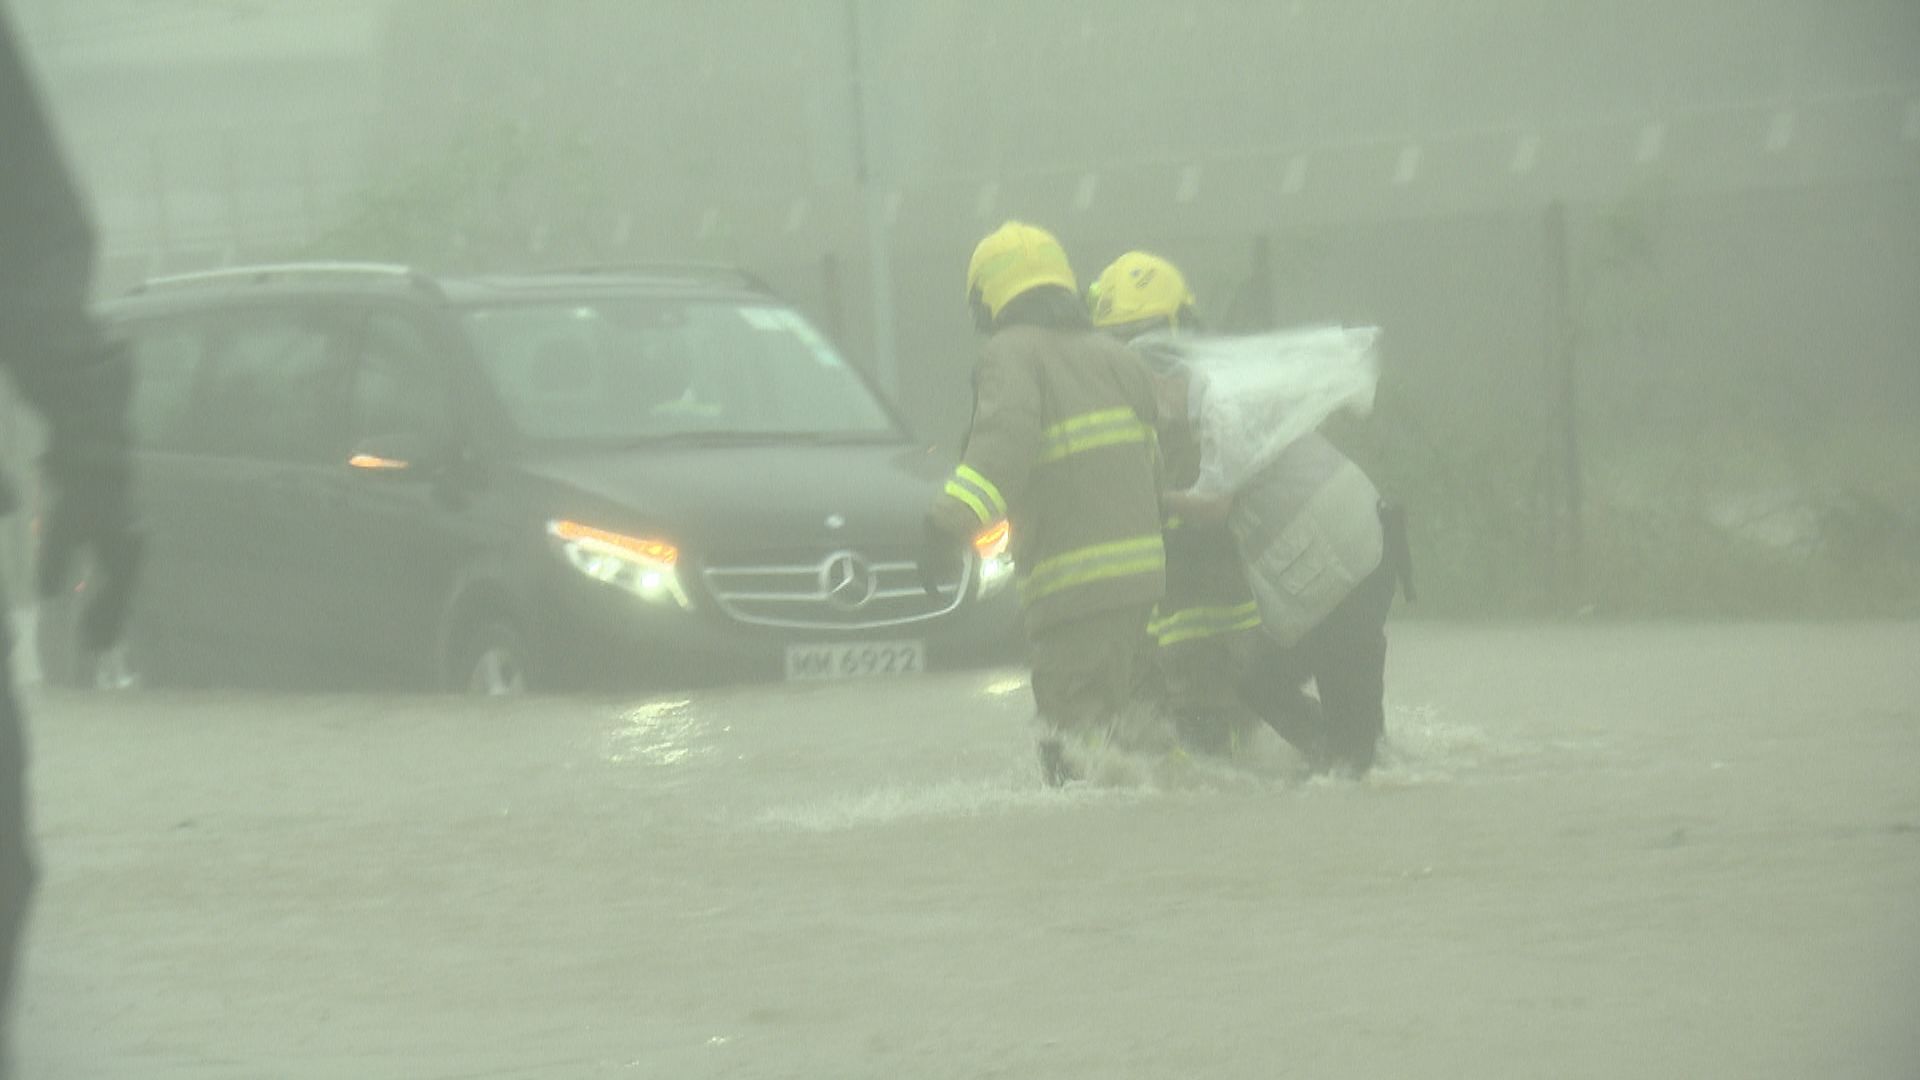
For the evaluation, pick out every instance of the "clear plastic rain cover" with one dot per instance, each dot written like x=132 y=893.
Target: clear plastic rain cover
x=1258 y=393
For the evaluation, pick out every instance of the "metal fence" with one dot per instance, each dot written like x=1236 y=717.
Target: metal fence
x=1650 y=343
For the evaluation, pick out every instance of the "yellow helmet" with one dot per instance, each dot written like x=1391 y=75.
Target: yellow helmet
x=1012 y=259
x=1138 y=287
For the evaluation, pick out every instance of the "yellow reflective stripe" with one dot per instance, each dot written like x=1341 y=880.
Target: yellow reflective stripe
x=1192 y=624
x=1188 y=624
x=1096 y=562
x=1181 y=637
x=1220 y=614
x=1095 y=552
x=1087 y=420
x=1080 y=444
x=969 y=475
x=1094 y=430
x=1032 y=593
x=1062 y=440
x=957 y=491
x=1173 y=522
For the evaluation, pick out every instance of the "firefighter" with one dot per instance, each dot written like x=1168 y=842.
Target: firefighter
x=63 y=367
x=1208 y=623
x=1312 y=505
x=1063 y=447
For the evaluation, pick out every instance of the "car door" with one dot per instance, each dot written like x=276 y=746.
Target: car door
x=247 y=496
x=401 y=512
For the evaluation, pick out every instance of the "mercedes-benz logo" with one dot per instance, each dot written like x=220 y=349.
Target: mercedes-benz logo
x=848 y=580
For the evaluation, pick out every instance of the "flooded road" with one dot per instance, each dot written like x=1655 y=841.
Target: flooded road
x=1591 y=852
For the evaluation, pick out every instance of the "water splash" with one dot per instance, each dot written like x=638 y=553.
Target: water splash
x=897 y=804
x=1424 y=747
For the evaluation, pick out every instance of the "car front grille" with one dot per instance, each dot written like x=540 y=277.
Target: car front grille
x=842 y=591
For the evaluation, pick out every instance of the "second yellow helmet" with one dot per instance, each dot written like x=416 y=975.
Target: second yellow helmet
x=1136 y=287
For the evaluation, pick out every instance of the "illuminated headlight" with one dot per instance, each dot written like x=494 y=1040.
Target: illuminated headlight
x=996 y=558
x=643 y=566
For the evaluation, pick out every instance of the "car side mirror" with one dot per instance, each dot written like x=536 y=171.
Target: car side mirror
x=409 y=455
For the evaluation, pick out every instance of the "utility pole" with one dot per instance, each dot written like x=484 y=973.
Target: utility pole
x=873 y=200
x=1563 y=366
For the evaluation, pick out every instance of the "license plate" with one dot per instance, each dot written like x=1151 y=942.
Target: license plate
x=855 y=660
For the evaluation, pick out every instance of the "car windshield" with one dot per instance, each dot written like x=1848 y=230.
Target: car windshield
x=636 y=369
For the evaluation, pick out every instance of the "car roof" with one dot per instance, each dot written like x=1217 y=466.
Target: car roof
x=516 y=287
x=249 y=284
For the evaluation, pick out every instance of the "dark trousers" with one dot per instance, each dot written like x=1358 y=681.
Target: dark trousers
x=16 y=853
x=1346 y=658
x=1083 y=671
x=1084 y=680
x=1199 y=689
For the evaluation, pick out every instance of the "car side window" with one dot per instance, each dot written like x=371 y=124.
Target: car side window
x=272 y=387
x=166 y=360
x=399 y=388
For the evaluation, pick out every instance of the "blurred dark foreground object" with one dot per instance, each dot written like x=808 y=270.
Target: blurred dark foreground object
x=63 y=367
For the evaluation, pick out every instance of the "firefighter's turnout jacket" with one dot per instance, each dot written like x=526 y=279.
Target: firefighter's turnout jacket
x=1063 y=446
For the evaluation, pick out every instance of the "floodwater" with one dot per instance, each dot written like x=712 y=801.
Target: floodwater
x=1593 y=851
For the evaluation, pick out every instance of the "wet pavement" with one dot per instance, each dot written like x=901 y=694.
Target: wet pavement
x=1592 y=851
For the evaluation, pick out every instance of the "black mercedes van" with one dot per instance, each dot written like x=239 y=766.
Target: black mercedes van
x=355 y=474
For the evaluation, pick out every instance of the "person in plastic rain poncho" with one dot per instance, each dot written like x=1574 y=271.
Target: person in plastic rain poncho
x=1260 y=490
x=1062 y=448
